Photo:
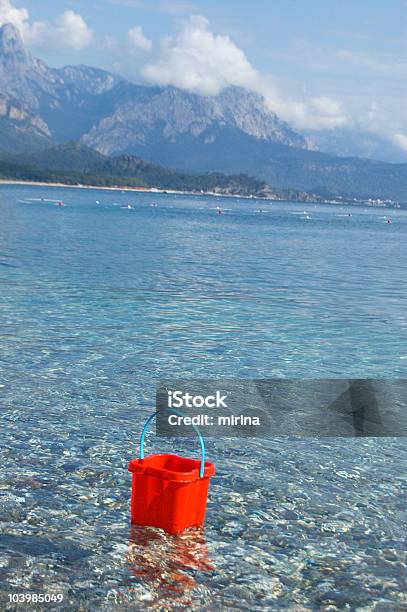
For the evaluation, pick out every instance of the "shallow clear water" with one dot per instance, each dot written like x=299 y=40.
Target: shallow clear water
x=99 y=301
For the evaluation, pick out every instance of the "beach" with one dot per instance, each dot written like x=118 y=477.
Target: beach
x=123 y=188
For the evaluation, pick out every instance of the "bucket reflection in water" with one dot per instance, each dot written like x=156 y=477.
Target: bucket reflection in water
x=163 y=562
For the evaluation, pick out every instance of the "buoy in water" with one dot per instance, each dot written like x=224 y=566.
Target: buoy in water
x=169 y=491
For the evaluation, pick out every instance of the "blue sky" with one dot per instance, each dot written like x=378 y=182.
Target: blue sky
x=320 y=64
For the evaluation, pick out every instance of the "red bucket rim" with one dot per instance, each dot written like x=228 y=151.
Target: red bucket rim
x=146 y=466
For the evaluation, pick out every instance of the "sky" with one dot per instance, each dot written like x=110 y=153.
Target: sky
x=320 y=64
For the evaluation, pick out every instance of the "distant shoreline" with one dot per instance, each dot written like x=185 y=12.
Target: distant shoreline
x=153 y=190
x=65 y=185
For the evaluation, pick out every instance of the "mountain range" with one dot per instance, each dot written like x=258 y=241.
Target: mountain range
x=232 y=132
x=354 y=141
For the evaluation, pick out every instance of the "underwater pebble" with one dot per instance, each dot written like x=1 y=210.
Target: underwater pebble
x=12 y=508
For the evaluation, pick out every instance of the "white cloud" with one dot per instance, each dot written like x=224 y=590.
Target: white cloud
x=10 y=14
x=72 y=30
x=326 y=106
x=329 y=112
x=199 y=61
x=138 y=40
x=400 y=140
x=20 y=18
x=69 y=29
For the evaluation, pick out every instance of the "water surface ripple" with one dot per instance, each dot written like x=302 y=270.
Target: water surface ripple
x=99 y=301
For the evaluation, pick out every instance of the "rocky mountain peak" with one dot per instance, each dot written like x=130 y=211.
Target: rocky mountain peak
x=11 y=45
x=23 y=79
x=117 y=116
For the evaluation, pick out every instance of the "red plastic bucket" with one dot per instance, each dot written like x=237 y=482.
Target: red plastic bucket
x=169 y=491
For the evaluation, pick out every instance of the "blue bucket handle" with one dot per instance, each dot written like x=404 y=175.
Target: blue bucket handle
x=201 y=440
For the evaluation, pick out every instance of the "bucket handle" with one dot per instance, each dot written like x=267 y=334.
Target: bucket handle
x=201 y=440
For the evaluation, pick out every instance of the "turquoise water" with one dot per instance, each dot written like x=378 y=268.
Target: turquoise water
x=99 y=301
